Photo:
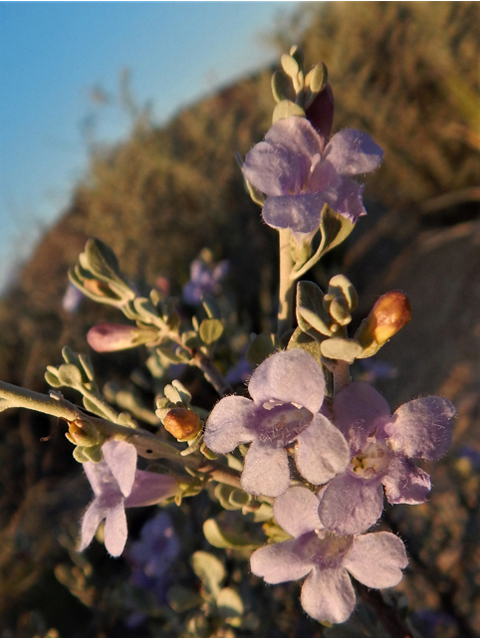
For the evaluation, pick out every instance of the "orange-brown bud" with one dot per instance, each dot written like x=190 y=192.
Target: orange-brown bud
x=182 y=423
x=97 y=287
x=389 y=314
x=82 y=433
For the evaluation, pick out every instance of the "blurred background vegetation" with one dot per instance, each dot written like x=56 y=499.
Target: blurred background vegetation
x=405 y=72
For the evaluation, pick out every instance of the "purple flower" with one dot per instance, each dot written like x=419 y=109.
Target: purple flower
x=117 y=484
x=72 y=299
x=382 y=447
x=470 y=454
x=204 y=280
x=299 y=173
x=375 y=559
x=154 y=553
x=288 y=391
x=241 y=372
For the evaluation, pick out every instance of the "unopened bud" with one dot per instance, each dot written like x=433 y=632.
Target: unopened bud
x=389 y=314
x=182 y=423
x=116 y=337
x=320 y=113
x=97 y=287
x=83 y=433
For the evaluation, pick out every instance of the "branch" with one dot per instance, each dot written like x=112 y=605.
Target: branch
x=148 y=445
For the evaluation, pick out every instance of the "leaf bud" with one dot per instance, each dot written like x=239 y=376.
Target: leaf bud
x=389 y=314
x=182 y=423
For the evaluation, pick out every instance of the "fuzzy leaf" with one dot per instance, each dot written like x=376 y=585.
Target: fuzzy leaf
x=217 y=538
x=285 y=109
x=301 y=340
x=317 y=78
x=310 y=309
x=341 y=285
x=210 y=571
x=210 y=330
x=341 y=349
x=334 y=228
x=229 y=603
x=100 y=260
x=70 y=375
x=261 y=347
x=282 y=88
x=52 y=378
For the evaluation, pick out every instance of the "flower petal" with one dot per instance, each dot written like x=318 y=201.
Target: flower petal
x=94 y=514
x=422 y=428
x=274 y=170
x=290 y=376
x=346 y=198
x=295 y=134
x=97 y=473
x=121 y=458
x=151 y=488
x=405 y=483
x=296 y=511
x=280 y=164
x=377 y=559
x=328 y=595
x=321 y=451
x=300 y=213
x=351 y=505
x=353 y=152
x=358 y=409
x=280 y=562
x=228 y=424
x=266 y=471
x=116 y=530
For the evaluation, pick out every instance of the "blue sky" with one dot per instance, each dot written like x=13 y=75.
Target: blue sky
x=53 y=53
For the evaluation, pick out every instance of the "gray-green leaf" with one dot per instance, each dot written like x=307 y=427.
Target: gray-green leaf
x=341 y=349
x=209 y=570
x=210 y=330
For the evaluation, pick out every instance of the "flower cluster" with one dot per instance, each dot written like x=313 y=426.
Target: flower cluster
x=205 y=279
x=348 y=456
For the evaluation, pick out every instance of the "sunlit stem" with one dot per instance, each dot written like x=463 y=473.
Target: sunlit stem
x=211 y=373
x=340 y=371
x=148 y=445
x=286 y=293
x=312 y=261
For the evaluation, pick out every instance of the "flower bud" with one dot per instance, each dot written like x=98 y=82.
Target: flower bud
x=182 y=423
x=97 y=287
x=320 y=113
x=389 y=314
x=115 y=337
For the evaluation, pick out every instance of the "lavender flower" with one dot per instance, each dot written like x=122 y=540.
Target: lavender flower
x=204 y=280
x=117 y=484
x=300 y=174
x=374 y=559
x=288 y=391
x=72 y=299
x=382 y=447
x=153 y=555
